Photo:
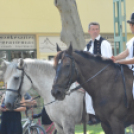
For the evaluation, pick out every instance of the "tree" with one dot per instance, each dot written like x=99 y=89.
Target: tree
x=71 y=25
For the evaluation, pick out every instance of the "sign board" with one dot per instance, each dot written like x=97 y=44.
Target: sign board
x=17 y=42
x=48 y=44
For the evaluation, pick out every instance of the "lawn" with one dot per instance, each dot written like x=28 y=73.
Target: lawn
x=90 y=129
x=95 y=129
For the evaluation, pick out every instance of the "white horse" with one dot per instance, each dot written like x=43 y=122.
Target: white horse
x=39 y=75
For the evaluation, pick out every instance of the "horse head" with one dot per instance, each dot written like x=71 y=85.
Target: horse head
x=14 y=77
x=66 y=72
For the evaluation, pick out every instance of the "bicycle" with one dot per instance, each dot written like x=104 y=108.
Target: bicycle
x=51 y=129
x=29 y=127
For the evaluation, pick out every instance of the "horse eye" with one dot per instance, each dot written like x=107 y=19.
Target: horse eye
x=16 y=77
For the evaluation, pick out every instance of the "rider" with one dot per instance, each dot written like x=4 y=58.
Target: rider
x=98 y=46
x=129 y=52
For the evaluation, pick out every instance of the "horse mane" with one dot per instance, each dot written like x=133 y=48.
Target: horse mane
x=41 y=66
x=57 y=57
x=88 y=55
x=34 y=66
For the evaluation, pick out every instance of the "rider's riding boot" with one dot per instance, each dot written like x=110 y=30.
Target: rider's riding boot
x=93 y=120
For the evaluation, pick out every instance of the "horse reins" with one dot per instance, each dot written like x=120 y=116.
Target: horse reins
x=19 y=104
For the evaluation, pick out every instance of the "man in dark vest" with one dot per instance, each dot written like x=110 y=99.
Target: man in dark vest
x=98 y=46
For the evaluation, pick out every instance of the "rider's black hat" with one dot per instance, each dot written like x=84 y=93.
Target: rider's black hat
x=131 y=21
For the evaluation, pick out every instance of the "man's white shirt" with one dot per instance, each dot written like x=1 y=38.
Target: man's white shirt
x=106 y=49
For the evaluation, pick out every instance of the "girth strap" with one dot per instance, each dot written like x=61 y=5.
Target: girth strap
x=124 y=85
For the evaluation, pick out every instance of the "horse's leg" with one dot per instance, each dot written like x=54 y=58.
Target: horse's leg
x=106 y=128
x=69 y=127
x=59 y=129
x=117 y=126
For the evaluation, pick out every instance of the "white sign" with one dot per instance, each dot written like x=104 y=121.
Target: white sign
x=17 y=42
x=48 y=44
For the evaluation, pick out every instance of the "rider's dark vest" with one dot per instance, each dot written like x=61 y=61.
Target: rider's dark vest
x=97 y=46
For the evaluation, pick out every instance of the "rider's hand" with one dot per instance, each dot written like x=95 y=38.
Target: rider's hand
x=113 y=59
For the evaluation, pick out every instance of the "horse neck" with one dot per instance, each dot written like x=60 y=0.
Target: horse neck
x=42 y=83
x=90 y=68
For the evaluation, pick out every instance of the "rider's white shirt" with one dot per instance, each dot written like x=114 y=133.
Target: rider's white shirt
x=130 y=48
x=106 y=49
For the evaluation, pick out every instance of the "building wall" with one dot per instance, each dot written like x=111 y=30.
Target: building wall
x=29 y=16
x=41 y=18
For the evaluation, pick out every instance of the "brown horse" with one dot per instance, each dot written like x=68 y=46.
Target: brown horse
x=113 y=105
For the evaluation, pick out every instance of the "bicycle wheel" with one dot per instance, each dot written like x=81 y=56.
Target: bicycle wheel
x=36 y=129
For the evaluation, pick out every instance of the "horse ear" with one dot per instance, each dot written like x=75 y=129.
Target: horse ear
x=3 y=64
x=3 y=67
x=58 y=48
x=21 y=63
x=70 y=49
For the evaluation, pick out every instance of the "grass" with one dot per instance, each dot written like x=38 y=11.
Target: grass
x=96 y=129
x=90 y=129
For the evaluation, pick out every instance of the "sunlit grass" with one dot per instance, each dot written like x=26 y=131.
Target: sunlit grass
x=96 y=129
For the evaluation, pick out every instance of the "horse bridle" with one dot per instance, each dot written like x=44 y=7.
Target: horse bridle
x=22 y=79
x=73 y=69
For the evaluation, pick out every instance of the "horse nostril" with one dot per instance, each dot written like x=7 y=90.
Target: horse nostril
x=55 y=92
x=58 y=92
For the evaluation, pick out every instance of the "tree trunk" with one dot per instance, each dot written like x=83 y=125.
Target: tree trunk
x=71 y=25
